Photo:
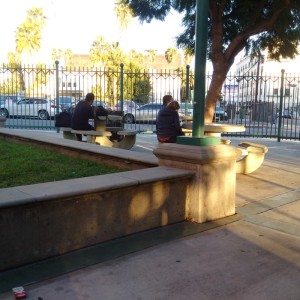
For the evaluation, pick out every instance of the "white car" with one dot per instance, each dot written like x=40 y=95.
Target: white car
x=41 y=108
x=145 y=113
x=190 y=109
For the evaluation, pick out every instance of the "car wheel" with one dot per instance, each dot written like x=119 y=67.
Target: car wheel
x=128 y=119
x=4 y=112
x=43 y=115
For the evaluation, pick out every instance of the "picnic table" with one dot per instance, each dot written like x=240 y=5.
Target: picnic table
x=215 y=129
x=119 y=137
x=109 y=132
x=252 y=154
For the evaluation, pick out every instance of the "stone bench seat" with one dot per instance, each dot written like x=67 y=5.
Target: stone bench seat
x=67 y=134
x=125 y=139
x=112 y=137
x=252 y=157
x=91 y=135
x=127 y=132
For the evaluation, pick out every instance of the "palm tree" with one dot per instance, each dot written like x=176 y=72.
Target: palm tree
x=124 y=13
x=99 y=50
x=152 y=56
x=171 y=54
x=28 y=35
x=187 y=56
x=68 y=56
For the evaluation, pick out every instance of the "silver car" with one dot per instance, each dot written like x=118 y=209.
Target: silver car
x=144 y=113
x=41 y=108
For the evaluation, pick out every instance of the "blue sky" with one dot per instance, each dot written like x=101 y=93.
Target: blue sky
x=76 y=24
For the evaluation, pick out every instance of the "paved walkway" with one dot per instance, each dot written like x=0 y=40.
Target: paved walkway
x=252 y=255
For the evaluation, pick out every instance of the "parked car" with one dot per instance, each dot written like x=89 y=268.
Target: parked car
x=190 y=108
x=66 y=102
x=145 y=113
x=9 y=98
x=101 y=103
x=289 y=114
x=30 y=107
x=220 y=114
x=129 y=108
x=127 y=105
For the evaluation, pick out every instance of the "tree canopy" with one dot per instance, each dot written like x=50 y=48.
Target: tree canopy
x=233 y=26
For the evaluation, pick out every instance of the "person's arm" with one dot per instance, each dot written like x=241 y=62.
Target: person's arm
x=95 y=111
x=177 y=124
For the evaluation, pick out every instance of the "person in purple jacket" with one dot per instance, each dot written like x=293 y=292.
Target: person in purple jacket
x=167 y=122
x=83 y=112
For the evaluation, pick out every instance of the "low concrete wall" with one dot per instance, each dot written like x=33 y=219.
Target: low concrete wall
x=44 y=220
x=129 y=160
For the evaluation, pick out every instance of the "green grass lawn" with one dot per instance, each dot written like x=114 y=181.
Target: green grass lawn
x=22 y=164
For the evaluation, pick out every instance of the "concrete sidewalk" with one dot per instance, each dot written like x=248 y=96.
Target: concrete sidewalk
x=252 y=255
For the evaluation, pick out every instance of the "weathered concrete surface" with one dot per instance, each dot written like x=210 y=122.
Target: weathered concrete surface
x=213 y=188
x=256 y=257
x=54 y=218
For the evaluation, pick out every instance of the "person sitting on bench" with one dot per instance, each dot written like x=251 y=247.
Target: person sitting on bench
x=82 y=113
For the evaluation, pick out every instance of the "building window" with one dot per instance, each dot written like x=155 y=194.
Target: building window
x=64 y=84
x=74 y=84
x=69 y=84
x=275 y=92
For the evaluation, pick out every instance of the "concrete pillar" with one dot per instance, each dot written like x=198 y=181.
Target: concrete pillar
x=211 y=194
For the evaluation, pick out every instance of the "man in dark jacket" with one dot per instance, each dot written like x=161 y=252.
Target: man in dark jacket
x=167 y=123
x=83 y=112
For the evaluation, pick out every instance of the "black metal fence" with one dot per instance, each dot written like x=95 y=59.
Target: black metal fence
x=268 y=105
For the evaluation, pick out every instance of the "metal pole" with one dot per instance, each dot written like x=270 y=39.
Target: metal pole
x=198 y=138
x=187 y=89
x=57 y=86
x=122 y=86
x=280 y=106
x=200 y=67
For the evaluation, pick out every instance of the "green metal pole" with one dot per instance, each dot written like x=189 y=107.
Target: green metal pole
x=280 y=105
x=200 y=67
x=57 y=86
x=198 y=138
x=122 y=86
x=187 y=90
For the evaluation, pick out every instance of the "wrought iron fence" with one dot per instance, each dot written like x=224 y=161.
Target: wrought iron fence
x=268 y=105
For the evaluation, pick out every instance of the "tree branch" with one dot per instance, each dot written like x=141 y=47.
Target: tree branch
x=260 y=27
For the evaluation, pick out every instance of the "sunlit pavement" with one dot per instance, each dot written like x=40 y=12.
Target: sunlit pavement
x=252 y=255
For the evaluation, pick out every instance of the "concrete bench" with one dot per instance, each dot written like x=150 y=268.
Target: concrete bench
x=252 y=157
x=67 y=134
x=125 y=139
x=91 y=135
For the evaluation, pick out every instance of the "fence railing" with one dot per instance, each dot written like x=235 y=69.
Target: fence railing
x=268 y=105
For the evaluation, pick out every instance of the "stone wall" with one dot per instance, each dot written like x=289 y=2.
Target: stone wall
x=44 y=220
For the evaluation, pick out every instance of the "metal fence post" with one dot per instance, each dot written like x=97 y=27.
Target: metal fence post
x=57 y=88
x=280 y=106
x=187 y=89
x=122 y=85
x=57 y=85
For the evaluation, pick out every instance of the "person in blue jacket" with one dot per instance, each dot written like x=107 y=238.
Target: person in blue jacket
x=167 y=122
x=83 y=112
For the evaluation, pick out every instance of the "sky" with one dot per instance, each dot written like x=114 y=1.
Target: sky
x=76 y=24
